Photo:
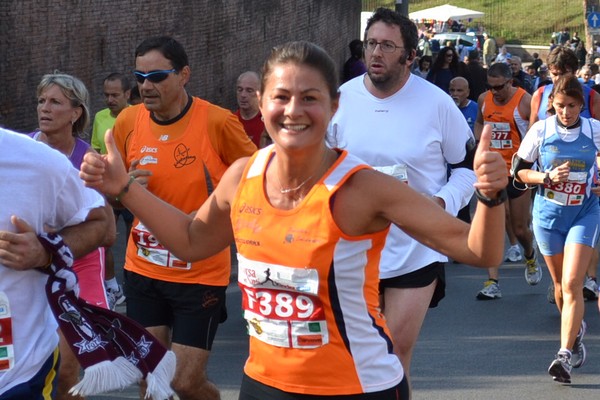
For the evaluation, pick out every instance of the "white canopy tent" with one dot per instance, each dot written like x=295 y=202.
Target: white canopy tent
x=444 y=13
x=436 y=15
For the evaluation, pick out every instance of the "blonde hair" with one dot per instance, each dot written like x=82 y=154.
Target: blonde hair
x=75 y=91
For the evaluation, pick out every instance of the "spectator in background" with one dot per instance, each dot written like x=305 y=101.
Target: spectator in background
x=563 y=37
x=537 y=61
x=355 y=65
x=520 y=78
x=489 y=50
x=575 y=40
x=445 y=67
x=459 y=91
x=585 y=76
x=543 y=77
x=247 y=86
x=503 y=56
x=581 y=53
x=553 y=44
x=435 y=47
x=423 y=67
x=476 y=76
x=424 y=47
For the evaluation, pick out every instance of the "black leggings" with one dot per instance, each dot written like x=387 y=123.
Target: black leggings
x=254 y=390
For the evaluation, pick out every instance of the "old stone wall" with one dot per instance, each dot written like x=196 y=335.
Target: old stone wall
x=90 y=39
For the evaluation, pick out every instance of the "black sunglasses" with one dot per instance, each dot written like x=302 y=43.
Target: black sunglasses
x=497 y=88
x=153 y=76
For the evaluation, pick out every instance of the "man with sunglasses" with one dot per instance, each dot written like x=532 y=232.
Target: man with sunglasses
x=406 y=127
x=178 y=146
x=506 y=108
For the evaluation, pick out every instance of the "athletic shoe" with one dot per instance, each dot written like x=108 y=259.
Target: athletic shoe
x=560 y=368
x=579 y=352
x=533 y=273
x=513 y=254
x=590 y=289
x=490 y=291
x=550 y=294
x=115 y=297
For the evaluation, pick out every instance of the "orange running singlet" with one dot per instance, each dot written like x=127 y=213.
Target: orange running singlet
x=310 y=292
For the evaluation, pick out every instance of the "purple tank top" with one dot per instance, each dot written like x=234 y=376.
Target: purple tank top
x=76 y=157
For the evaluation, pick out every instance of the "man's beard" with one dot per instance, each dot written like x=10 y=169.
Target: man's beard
x=387 y=79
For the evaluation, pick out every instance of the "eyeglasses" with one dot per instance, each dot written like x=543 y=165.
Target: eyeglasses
x=497 y=88
x=387 y=46
x=153 y=76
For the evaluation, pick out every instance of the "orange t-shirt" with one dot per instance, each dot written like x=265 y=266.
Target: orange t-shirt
x=309 y=291
x=187 y=159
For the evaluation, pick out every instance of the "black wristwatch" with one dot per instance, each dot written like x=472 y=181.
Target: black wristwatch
x=547 y=180
x=502 y=197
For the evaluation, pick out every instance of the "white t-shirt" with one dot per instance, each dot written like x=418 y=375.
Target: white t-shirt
x=39 y=185
x=419 y=127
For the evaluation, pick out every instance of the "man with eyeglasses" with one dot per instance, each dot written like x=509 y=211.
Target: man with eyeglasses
x=178 y=146
x=563 y=61
x=506 y=108
x=407 y=127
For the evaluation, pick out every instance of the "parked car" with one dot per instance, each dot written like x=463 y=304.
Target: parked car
x=467 y=41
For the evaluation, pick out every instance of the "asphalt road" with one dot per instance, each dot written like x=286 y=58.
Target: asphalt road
x=468 y=349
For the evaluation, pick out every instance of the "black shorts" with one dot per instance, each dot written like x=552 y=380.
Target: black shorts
x=254 y=390
x=420 y=278
x=192 y=311
x=515 y=189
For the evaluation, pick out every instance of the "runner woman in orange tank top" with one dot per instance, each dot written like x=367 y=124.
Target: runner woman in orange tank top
x=309 y=223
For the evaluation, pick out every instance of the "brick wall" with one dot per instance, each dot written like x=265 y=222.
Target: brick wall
x=90 y=39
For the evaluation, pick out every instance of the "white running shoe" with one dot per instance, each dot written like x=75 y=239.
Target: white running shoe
x=579 y=351
x=490 y=291
x=560 y=368
x=115 y=297
x=533 y=272
x=513 y=254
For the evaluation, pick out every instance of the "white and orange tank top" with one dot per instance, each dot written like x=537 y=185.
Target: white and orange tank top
x=184 y=170
x=309 y=291
x=506 y=123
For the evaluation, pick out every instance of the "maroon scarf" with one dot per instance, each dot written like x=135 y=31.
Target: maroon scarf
x=113 y=350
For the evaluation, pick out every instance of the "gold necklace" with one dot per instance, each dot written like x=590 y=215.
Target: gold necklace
x=283 y=190
x=289 y=190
